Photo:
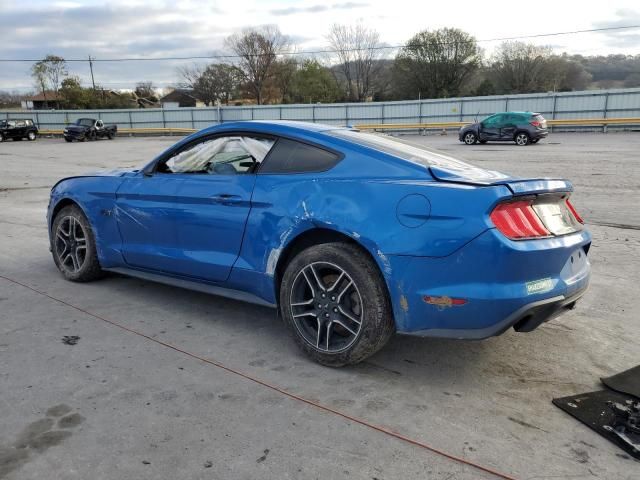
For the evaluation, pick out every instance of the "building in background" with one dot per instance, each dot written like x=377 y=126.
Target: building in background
x=48 y=100
x=180 y=98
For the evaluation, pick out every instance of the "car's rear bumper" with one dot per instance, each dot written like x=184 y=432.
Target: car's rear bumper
x=526 y=319
x=499 y=283
x=540 y=134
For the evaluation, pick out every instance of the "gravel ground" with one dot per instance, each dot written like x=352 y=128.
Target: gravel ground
x=118 y=406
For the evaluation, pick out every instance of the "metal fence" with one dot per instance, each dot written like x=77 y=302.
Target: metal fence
x=619 y=103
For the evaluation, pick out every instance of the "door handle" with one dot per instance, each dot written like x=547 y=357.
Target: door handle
x=226 y=199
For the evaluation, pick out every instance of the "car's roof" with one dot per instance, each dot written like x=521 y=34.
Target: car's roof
x=272 y=126
x=522 y=113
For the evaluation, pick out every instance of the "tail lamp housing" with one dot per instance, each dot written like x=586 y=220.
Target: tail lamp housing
x=539 y=217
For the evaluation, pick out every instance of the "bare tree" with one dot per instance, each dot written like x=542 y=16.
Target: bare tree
x=50 y=71
x=257 y=50
x=146 y=90
x=211 y=83
x=39 y=74
x=189 y=75
x=356 y=47
x=519 y=67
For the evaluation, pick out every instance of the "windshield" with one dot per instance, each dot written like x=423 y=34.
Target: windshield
x=85 y=122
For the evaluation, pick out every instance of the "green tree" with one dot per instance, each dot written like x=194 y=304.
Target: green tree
x=313 y=83
x=436 y=63
x=73 y=95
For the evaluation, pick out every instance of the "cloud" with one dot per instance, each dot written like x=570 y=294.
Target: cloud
x=317 y=8
x=623 y=38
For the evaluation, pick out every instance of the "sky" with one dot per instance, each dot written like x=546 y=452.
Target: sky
x=131 y=28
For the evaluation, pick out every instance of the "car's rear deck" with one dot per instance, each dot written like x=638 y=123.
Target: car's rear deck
x=149 y=410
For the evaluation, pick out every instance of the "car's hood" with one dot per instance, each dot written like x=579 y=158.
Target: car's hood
x=118 y=172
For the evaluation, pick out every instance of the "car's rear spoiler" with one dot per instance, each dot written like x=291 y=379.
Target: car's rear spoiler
x=518 y=186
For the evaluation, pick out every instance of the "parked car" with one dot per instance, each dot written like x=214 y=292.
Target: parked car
x=89 y=129
x=353 y=236
x=522 y=128
x=17 y=129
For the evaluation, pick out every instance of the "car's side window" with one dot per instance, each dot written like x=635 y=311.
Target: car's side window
x=493 y=121
x=290 y=156
x=229 y=155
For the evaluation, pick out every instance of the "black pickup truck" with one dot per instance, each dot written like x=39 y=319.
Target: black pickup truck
x=18 y=129
x=89 y=129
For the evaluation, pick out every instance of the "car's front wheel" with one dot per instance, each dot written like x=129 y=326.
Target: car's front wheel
x=334 y=300
x=521 y=139
x=470 y=138
x=73 y=246
x=31 y=136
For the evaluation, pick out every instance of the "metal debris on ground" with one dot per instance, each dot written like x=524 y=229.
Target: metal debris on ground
x=70 y=339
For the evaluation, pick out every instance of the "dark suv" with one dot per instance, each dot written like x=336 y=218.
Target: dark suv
x=520 y=127
x=18 y=129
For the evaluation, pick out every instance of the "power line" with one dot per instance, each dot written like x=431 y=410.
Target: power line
x=317 y=52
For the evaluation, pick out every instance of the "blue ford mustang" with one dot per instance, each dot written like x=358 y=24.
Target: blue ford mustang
x=352 y=236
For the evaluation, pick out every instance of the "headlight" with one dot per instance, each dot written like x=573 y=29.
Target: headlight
x=66 y=130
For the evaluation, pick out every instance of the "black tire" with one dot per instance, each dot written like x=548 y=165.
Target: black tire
x=84 y=268
x=522 y=139
x=469 y=138
x=366 y=299
x=31 y=136
x=2 y=139
x=69 y=140
x=110 y=136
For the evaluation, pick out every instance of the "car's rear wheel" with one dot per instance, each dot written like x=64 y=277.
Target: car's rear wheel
x=31 y=136
x=521 y=139
x=68 y=139
x=73 y=246
x=334 y=300
x=470 y=138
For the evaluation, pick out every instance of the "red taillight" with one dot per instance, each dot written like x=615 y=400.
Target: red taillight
x=536 y=123
x=518 y=220
x=574 y=212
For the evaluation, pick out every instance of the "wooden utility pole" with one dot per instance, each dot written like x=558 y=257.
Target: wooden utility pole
x=93 y=82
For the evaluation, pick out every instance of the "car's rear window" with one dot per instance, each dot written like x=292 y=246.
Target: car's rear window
x=537 y=117
x=400 y=148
